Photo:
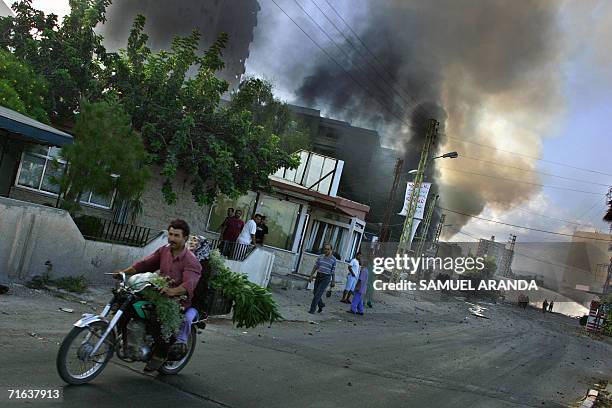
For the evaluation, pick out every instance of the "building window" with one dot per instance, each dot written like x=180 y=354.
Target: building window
x=218 y=212
x=40 y=163
x=323 y=233
x=281 y=220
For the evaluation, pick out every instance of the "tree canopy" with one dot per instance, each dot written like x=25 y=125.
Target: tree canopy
x=186 y=125
x=21 y=89
x=173 y=98
x=105 y=147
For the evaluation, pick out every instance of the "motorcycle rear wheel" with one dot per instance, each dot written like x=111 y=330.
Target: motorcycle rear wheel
x=76 y=348
x=174 y=367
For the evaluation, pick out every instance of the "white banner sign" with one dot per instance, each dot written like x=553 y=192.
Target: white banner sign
x=420 y=209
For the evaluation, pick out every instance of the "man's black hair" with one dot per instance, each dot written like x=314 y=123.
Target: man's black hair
x=180 y=224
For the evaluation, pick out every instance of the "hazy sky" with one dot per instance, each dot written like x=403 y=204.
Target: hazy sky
x=578 y=134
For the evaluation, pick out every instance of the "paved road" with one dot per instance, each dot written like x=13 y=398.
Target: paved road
x=427 y=354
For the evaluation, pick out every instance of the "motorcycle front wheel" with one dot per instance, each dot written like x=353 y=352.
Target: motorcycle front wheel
x=173 y=367
x=75 y=364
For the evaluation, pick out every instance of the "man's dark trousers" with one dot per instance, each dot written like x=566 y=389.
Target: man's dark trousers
x=321 y=282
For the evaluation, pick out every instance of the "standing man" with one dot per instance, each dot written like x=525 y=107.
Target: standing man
x=247 y=235
x=351 y=279
x=550 y=305
x=360 y=290
x=325 y=268
x=544 y=305
x=231 y=232
x=262 y=231
x=230 y=215
x=180 y=265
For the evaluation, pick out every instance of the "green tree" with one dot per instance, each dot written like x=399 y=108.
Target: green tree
x=21 y=89
x=70 y=55
x=255 y=96
x=226 y=148
x=186 y=126
x=107 y=154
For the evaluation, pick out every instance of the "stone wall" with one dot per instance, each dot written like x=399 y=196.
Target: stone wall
x=157 y=214
x=283 y=260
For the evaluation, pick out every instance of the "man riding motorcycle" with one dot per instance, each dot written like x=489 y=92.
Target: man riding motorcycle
x=178 y=263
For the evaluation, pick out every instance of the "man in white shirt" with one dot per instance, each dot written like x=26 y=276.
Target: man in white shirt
x=351 y=279
x=247 y=235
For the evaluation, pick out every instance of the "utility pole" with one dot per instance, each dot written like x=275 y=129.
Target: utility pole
x=384 y=228
x=432 y=130
x=425 y=228
x=508 y=255
x=439 y=228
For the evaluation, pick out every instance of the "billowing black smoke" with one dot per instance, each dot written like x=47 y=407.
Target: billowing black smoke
x=168 y=19
x=484 y=69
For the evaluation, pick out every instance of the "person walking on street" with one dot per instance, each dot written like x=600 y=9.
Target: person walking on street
x=360 y=290
x=351 y=279
x=325 y=268
x=550 y=305
x=544 y=305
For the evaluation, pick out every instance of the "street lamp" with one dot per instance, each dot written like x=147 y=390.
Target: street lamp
x=449 y=155
x=419 y=176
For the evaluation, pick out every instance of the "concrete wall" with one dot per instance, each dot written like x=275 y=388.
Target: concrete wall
x=36 y=238
x=257 y=267
x=283 y=260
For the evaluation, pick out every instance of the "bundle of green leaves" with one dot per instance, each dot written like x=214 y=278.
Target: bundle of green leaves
x=167 y=309
x=253 y=305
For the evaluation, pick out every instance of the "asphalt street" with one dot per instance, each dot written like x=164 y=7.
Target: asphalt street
x=406 y=353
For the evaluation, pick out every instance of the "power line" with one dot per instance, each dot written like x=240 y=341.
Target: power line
x=522 y=182
x=526 y=155
x=526 y=256
x=553 y=218
x=337 y=63
x=463 y=156
x=521 y=226
x=348 y=40
x=389 y=110
x=382 y=91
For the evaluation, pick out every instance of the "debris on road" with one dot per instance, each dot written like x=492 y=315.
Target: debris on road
x=64 y=309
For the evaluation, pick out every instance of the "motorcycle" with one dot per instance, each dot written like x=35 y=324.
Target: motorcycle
x=127 y=325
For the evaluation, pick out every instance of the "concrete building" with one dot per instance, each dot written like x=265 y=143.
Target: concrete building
x=167 y=19
x=368 y=168
x=498 y=250
x=5 y=10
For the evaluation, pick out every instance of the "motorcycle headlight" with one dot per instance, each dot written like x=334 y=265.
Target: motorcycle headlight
x=139 y=281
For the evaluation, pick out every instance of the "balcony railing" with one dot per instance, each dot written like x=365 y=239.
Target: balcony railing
x=232 y=250
x=100 y=229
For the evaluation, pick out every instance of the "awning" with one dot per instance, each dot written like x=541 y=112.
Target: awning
x=32 y=130
x=346 y=206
